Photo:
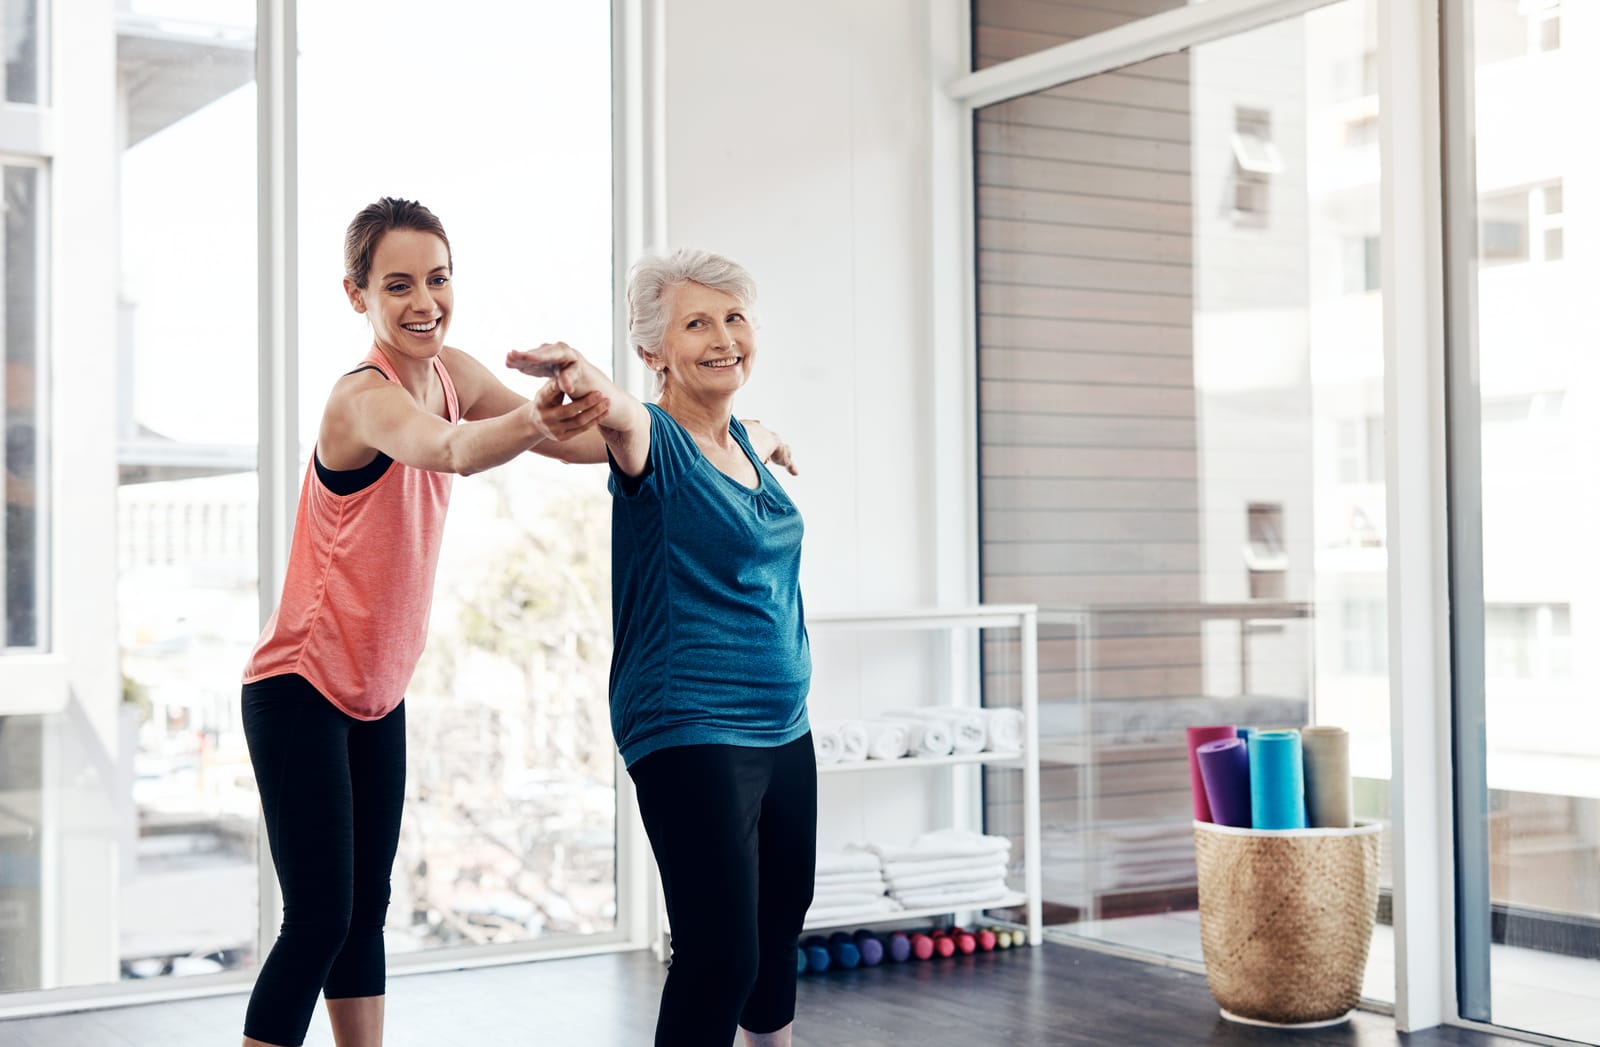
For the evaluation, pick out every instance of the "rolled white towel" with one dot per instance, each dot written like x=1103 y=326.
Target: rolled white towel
x=827 y=741
x=966 y=726
x=925 y=737
x=1005 y=730
x=853 y=738
x=887 y=739
x=856 y=880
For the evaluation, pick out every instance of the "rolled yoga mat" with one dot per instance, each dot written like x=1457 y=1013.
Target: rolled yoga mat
x=1277 y=781
x=1330 y=799
x=1225 y=768
x=1196 y=737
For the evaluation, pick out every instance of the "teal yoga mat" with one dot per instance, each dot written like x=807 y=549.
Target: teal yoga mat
x=1277 y=781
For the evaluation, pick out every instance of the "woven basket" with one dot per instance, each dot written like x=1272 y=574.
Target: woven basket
x=1286 y=918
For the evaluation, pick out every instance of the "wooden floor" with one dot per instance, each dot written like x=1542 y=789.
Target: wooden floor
x=1051 y=995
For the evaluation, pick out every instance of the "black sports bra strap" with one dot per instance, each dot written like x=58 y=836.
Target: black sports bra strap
x=367 y=367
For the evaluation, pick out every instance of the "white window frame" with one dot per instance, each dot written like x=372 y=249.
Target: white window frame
x=1410 y=141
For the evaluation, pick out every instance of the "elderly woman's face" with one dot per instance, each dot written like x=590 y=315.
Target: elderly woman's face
x=709 y=345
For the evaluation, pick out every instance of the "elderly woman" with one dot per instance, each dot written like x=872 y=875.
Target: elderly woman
x=711 y=664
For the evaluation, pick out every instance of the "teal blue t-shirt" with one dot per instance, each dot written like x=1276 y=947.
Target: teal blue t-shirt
x=709 y=630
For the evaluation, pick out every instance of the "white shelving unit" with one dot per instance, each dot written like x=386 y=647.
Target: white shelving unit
x=1024 y=619
x=1021 y=617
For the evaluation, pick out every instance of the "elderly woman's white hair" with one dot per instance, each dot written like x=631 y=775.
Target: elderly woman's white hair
x=653 y=274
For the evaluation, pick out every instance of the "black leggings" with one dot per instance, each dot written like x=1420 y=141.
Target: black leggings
x=734 y=831
x=331 y=791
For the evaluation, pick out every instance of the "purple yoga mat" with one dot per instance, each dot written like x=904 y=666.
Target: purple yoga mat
x=1225 y=767
x=1198 y=736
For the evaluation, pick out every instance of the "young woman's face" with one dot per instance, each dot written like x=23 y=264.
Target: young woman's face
x=408 y=297
x=710 y=345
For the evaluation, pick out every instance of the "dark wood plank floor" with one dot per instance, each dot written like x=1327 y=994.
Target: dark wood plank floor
x=1052 y=995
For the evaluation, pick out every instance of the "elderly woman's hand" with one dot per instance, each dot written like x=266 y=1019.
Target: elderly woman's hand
x=558 y=361
x=770 y=446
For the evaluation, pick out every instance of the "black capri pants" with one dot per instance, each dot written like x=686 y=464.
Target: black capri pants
x=332 y=788
x=734 y=831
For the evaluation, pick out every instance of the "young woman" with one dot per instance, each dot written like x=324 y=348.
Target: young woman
x=323 y=705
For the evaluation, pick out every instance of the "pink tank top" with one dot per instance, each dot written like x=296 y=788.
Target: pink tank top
x=356 y=595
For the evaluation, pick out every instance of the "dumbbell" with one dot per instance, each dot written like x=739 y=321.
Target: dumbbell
x=843 y=950
x=921 y=946
x=944 y=946
x=872 y=951
x=817 y=959
x=985 y=939
x=898 y=948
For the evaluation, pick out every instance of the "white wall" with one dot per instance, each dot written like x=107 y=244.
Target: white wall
x=798 y=142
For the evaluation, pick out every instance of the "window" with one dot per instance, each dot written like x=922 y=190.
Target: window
x=1549 y=221
x=511 y=822
x=1505 y=30
x=1361 y=131
x=1532 y=833
x=1544 y=24
x=1156 y=449
x=1503 y=228
x=1363 y=258
x=1256 y=159
x=1265 y=555
x=19 y=33
x=1522 y=225
x=22 y=404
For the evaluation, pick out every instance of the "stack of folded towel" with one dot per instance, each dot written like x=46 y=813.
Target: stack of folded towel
x=849 y=885
x=945 y=868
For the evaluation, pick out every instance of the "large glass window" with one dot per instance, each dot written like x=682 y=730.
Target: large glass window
x=1537 y=374
x=504 y=131
x=185 y=367
x=1181 y=417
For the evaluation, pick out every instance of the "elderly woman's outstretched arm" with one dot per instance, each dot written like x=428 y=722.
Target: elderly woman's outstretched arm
x=626 y=425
